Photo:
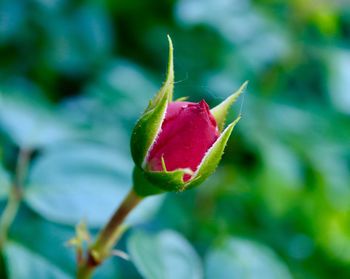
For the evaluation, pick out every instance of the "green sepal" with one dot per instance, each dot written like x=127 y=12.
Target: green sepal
x=148 y=183
x=212 y=157
x=167 y=88
x=145 y=132
x=220 y=111
x=142 y=186
x=170 y=181
x=148 y=126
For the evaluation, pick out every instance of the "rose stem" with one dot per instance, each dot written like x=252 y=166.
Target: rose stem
x=108 y=237
x=15 y=194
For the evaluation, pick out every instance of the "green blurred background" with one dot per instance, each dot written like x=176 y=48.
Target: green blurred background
x=74 y=77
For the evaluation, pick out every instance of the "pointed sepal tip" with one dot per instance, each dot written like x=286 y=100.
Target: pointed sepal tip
x=220 y=111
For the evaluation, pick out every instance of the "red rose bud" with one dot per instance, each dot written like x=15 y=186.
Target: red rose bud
x=177 y=145
x=187 y=132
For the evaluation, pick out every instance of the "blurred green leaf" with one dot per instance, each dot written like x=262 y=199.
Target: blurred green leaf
x=39 y=235
x=79 y=40
x=339 y=84
x=240 y=258
x=166 y=255
x=12 y=16
x=113 y=86
x=281 y=177
x=262 y=41
x=334 y=173
x=26 y=264
x=76 y=181
x=30 y=121
x=48 y=240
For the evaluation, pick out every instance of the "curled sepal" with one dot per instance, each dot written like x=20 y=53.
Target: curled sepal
x=220 y=111
x=148 y=126
x=212 y=157
x=170 y=181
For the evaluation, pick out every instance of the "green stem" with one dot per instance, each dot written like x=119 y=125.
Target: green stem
x=15 y=195
x=8 y=215
x=108 y=236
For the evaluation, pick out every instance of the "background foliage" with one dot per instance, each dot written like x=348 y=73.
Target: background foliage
x=74 y=77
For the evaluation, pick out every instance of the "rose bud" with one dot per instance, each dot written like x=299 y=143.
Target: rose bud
x=176 y=145
x=188 y=131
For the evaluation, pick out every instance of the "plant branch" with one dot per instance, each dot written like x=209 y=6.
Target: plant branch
x=15 y=194
x=108 y=237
